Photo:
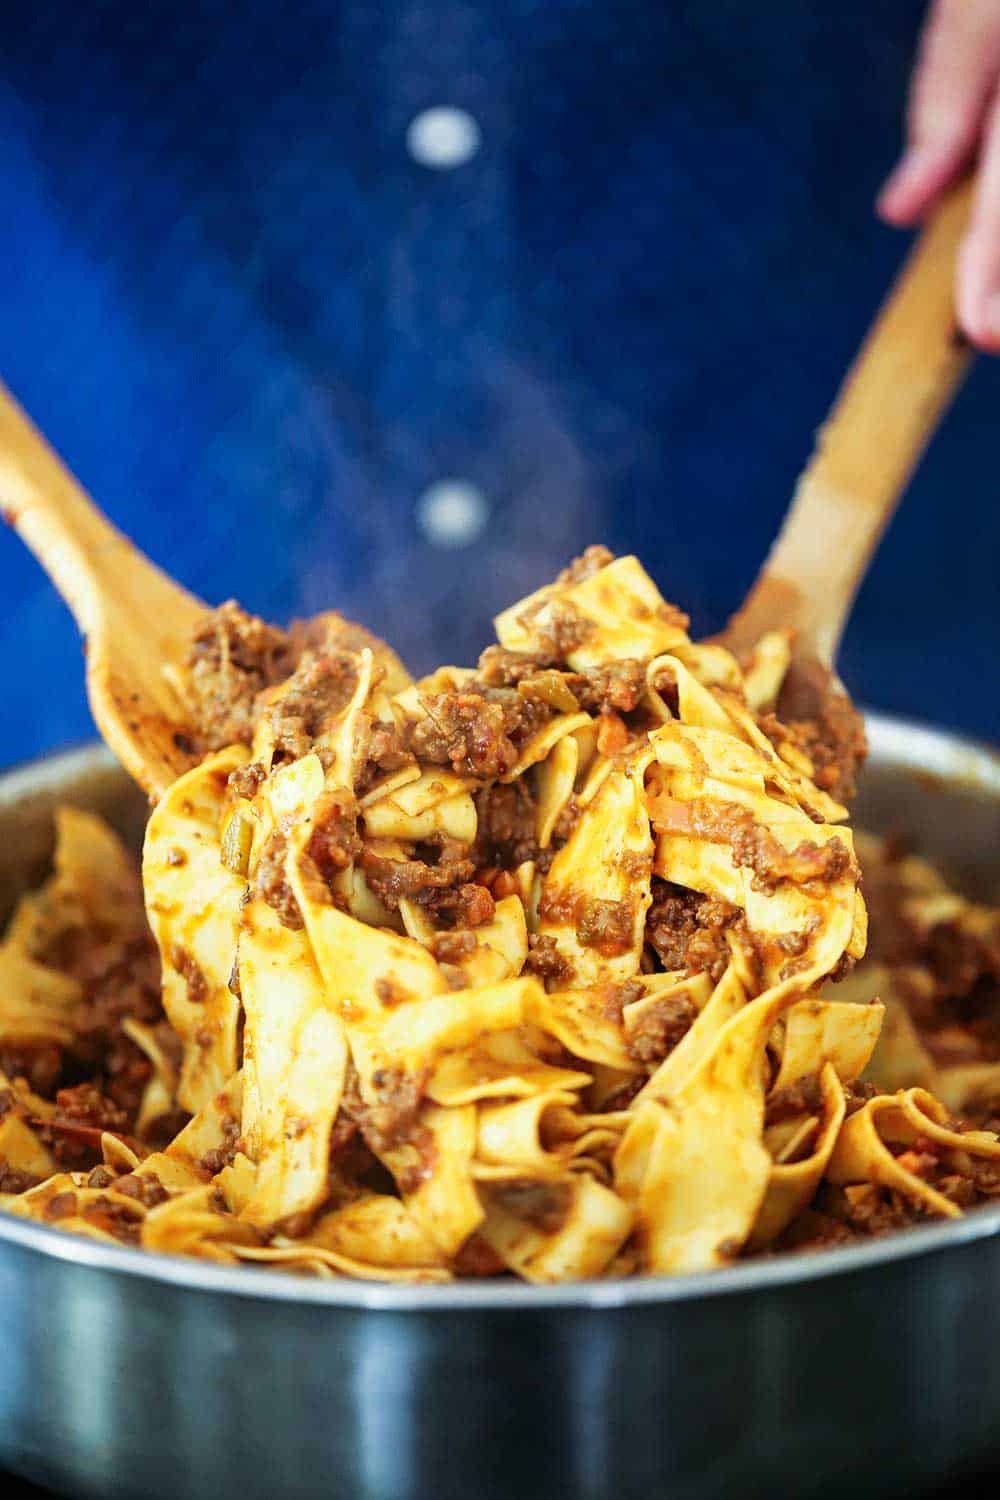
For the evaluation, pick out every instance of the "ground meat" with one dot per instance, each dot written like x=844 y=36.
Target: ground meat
x=545 y=960
x=352 y=1163
x=607 y=926
x=118 y=969
x=453 y=947
x=477 y=1258
x=246 y=781
x=753 y=846
x=543 y=1205
x=442 y=888
x=623 y=1097
x=330 y=631
x=659 y=1027
x=894 y=939
x=585 y=566
x=428 y=881
x=506 y=826
x=615 y=997
x=561 y=834
x=758 y=850
x=796 y=943
x=565 y=630
x=319 y=688
x=395 y=880
x=271 y=882
x=469 y=905
x=233 y=657
x=114 y=1217
x=235 y=663
x=672 y=921
x=503 y=883
x=125 y=1071
x=147 y=1189
x=221 y=1156
x=334 y=843
x=478 y=732
x=857 y=1094
x=814 y=1231
x=963 y=1028
x=868 y=1208
x=86 y=1105
x=386 y=751
x=820 y=719
x=688 y=931
x=616 y=686
x=344 y=1131
x=73 y=1132
x=12 y=1180
x=194 y=980
x=391 y=1120
x=845 y=1216
x=947 y=973
x=499 y=667
x=159 y=1132
x=598 y=923
x=803 y=1097
x=40 y=1064
x=100 y=1078
x=983 y=1174
x=120 y=977
x=960 y=957
x=664 y=680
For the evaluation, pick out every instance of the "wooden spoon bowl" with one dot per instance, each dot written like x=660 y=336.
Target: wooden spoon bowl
x=133 y=618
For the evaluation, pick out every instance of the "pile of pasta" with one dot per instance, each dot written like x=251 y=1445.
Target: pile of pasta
x=382 y=1087
x=935 y=964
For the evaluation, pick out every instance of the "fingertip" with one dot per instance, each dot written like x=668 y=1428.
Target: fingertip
x=907 y=190
x=977 y=292
x=893 y=208
x=981 y=324
x=977 y=307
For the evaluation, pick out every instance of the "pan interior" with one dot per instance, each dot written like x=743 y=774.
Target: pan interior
x=943 y=792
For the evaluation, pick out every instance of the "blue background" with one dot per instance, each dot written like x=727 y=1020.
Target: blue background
x=257 y=329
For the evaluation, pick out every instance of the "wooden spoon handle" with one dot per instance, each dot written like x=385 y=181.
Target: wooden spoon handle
x=83 y=553
x=907 y=371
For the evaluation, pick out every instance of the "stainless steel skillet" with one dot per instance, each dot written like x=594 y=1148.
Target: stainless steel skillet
x=872 y=1371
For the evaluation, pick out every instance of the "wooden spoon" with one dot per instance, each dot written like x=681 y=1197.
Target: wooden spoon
x=134 y=619
x=907 y=371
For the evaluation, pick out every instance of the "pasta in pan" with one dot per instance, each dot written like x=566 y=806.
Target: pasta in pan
x=545 y=967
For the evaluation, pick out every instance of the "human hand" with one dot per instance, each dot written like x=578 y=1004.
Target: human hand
x=953 y=116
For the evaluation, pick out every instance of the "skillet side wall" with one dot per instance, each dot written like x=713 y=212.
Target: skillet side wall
x=880 y=1381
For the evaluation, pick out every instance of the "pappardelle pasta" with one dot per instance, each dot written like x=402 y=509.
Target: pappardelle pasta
x=544 y=967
